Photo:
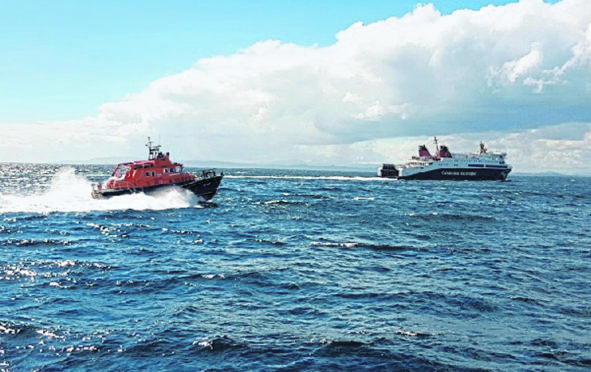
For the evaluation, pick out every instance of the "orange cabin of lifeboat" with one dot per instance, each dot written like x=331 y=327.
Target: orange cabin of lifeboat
x=158 y=170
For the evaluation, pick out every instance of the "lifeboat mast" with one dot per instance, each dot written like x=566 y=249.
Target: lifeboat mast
x=153 y=150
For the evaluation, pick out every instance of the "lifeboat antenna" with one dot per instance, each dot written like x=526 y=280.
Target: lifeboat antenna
x=152 y=150
x=436 y=145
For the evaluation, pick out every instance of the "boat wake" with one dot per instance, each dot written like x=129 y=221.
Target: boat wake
x=311 y=178
x=68 y=192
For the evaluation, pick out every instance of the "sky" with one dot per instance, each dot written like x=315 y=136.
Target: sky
x=296 y=82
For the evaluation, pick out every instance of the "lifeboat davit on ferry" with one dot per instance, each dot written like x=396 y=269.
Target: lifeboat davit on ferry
x=156 y=173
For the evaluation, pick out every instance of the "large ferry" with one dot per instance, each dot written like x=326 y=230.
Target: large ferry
x=156 y=173
x=444 y=165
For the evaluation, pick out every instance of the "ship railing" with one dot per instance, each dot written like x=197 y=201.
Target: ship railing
x=207 y=173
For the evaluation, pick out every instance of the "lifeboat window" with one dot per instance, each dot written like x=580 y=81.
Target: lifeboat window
x=165 y=170
x=120 y=172
x=147 y=174
x=153 y=174
x=178 y=169
x=171 y=170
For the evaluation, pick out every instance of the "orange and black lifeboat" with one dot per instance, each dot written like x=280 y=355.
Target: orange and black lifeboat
x=155 y=173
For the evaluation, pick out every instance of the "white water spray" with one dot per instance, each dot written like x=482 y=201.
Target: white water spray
x=69 y=192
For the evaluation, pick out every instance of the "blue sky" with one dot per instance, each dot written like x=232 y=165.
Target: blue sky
x=296 y=82
x=62 y=59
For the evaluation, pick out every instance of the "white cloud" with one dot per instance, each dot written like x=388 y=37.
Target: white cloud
x=502 y=68
x=523 y=65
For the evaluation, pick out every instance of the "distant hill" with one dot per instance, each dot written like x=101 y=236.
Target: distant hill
x=228 y=164
x=544 y=174
x=224 y=164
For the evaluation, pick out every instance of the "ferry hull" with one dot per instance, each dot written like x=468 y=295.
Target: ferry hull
x=463 y=174
x=204 y=188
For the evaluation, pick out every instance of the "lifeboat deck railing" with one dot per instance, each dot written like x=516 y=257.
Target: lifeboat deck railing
x=208 y=173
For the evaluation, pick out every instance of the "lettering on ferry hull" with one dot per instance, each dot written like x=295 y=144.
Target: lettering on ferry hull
x=458 y=173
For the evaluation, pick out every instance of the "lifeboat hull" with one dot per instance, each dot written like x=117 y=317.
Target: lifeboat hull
x=204 y=188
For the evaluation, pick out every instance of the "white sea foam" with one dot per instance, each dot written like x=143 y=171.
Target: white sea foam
x=69 y=192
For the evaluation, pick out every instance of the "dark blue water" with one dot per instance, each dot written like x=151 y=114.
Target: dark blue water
x=295 y=270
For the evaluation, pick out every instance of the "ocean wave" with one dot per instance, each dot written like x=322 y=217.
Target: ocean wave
x=7 y=230
x=335 y=244
x=450 y=216
x=220 y=344
x=418 y=334
x=366 y=245
x=368 y=198
x=110 y=231
x=375 y=355
x=274 y=242
x=148 y=348
x=35 y=242
x=8 y=328
x=281 y=202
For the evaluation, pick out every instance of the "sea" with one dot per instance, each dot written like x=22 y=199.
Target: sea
x=295 y=270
